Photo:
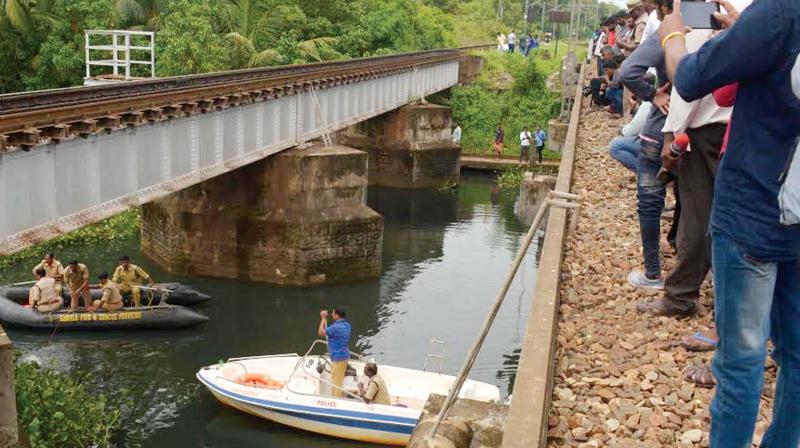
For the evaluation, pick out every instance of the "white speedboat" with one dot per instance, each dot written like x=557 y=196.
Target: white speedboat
x=295 y=390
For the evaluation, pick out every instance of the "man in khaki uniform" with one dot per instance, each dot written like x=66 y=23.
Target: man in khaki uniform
x=111 y=299
x=52 y=269
x=43 y=296
x=76 y=276
x=128 y=276
x=376 y=391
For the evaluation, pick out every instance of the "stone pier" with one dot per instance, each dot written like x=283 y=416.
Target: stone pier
x=408 y=148
x=470 y=424
x=533 y=191
x=557 y=134
x=298 y=218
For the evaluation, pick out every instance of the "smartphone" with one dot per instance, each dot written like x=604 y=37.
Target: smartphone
x=699 y=15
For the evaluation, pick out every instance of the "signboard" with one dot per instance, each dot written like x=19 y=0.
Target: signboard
x=559 y=16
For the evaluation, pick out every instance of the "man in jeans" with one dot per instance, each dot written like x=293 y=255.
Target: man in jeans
x=756 y=258
x=650 y=191
x=705 y=123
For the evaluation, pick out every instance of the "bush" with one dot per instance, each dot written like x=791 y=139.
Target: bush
x=511 y=178
x=57 y=411
x=480 y=106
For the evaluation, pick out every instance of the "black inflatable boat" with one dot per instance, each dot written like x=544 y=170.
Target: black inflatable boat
x=179 y=294
x=160 y=316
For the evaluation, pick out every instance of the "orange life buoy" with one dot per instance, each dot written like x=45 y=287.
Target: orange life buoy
x=260 y=380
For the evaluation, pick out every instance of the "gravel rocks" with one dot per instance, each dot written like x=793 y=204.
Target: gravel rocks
x=618 y=381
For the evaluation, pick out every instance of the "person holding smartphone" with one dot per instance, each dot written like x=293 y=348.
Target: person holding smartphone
x=756 y=257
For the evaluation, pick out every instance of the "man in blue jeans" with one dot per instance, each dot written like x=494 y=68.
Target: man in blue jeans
x=756 y=259
x=650 y=190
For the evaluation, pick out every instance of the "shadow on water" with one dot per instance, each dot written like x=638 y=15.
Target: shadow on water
x=445 y=254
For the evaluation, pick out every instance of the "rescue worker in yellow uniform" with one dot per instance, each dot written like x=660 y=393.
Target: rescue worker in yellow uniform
x=111 y=300
x=128 y=276
x=52 y=269
x=43 y=296
x=76 y=276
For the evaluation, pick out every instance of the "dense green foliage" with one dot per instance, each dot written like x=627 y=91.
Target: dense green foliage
x=121 y=226
x=512 y=91
x=41 y=41
x=511 y=178
x=57 y=411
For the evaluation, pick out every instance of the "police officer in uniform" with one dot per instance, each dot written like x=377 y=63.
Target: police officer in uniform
x=128 y=277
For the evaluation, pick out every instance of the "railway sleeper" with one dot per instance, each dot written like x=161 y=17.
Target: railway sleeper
x=24 y=139
x=84 y=128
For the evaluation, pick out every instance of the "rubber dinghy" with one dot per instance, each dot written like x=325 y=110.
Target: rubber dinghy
x=159 y=316
x=295 y=390
x=179 y=294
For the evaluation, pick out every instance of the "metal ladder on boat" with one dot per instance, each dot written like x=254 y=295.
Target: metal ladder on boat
x=435 y=356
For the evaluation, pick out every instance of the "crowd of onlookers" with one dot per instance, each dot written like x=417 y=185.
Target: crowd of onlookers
x=715 y=116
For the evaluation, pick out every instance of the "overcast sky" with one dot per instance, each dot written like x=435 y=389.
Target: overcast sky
x=620 y=3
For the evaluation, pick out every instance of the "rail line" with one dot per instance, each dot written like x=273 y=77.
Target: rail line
x=31 y=118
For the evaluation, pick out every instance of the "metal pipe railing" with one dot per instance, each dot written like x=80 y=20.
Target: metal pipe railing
x=455 y=388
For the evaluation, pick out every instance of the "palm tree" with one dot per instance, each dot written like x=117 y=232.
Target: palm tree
x=250 y=22
x=22 y=13
x=140 y=14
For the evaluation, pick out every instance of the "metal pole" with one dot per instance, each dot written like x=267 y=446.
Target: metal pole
x=487 y=324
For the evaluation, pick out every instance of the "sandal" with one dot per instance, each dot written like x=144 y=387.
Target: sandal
x=700 y=375
x=700 y=342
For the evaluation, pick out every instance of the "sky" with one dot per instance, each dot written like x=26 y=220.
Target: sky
x=620 y=3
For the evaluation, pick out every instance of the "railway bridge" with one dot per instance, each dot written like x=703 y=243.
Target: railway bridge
x=195 y=151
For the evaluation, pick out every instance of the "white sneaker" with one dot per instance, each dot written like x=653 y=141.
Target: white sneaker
x=637 y=279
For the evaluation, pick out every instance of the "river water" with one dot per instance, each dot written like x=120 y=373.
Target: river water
x=444 y=257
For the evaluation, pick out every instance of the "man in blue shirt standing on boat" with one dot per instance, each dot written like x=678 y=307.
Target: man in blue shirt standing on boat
x=338 y=336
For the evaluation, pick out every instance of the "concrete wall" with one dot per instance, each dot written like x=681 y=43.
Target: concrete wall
x=469 y=67
x=298 y=218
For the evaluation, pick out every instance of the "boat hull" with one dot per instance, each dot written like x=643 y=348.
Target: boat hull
x=161 y=317
x=320 y=415
x=332 y=427
x=180 y=294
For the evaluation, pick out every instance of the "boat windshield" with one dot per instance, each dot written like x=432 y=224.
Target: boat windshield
x=316 y=364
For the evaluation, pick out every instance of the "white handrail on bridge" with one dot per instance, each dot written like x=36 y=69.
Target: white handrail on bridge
x=554 y=199
x=120 y=51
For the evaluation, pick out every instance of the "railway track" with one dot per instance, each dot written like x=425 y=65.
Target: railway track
x=31 y=118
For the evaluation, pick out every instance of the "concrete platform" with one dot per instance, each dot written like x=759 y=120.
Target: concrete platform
x=481 y=162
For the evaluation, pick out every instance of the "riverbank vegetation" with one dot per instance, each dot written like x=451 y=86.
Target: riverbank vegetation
x=118 y=227
x=55 y=410
x=510 y=90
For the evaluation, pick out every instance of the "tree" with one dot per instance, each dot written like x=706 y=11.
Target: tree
x=253 y=25
x=247 y=21
x=21 y=14
x=139 y=14
x=188 y=42
x=60 y=58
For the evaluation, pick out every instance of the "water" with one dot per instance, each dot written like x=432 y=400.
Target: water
x=444 y=254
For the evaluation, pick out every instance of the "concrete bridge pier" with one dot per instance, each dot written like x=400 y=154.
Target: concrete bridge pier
x=409 y=147
x=298 y=218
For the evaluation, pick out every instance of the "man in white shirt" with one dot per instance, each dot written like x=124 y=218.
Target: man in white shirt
x=456 y=135
x=705 y=124
x=43 y=296
x=652 y=20
x=524 y=145
x=512 y=41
